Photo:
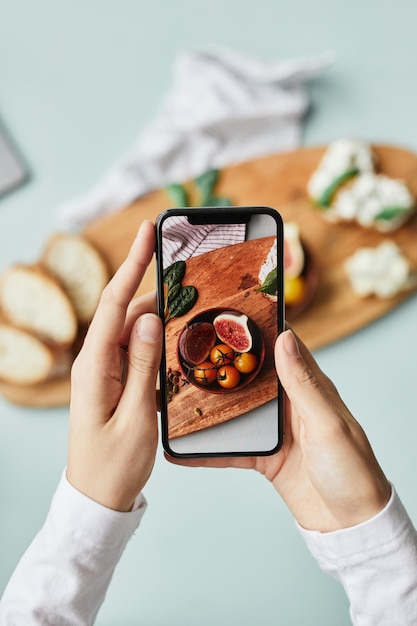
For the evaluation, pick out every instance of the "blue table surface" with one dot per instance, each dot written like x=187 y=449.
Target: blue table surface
x=79 y=82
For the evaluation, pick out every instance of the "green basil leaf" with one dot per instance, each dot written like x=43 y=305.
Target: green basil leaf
x=270 y=284
x=389 y=213
x=177 y=194
x=217 y=201
x=205 y=184
x=327 y=195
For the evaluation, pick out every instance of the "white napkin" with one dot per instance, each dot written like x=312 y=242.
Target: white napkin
x=222 y=108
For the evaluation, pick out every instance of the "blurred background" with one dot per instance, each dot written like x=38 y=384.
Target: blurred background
x=79 y=82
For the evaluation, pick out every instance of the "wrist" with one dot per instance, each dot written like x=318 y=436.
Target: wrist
x=114 y=505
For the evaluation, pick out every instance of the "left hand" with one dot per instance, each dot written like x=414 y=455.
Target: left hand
x=113 y=425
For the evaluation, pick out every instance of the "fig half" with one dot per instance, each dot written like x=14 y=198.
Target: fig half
x=233 y=330
x=196 y=342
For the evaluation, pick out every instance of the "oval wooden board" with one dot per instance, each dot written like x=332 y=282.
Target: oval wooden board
x=278 y=181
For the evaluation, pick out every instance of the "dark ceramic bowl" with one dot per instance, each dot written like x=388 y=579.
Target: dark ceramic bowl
x=258 y=348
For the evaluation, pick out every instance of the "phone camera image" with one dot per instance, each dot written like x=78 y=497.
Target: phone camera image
x=221 y=350
x=220 y=285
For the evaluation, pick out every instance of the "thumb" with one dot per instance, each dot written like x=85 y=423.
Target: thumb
x=144 y=357
x=310 y=392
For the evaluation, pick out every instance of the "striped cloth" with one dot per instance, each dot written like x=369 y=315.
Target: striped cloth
x=181 y=240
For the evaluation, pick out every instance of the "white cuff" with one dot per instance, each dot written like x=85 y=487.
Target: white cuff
x=79 y=515
x=376 y=534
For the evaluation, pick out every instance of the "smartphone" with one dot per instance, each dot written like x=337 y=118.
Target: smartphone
x=220 y=295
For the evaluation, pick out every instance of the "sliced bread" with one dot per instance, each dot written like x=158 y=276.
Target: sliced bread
x=32 y=299
x=80 y=269
x=26 y=360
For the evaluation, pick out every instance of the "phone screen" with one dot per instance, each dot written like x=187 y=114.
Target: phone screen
x=220 y=275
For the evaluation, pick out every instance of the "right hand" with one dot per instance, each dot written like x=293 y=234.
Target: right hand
x=326 y=471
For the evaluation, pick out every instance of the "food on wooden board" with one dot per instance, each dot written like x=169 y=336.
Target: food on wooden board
x=32 y=299
x=179 y=299
x=294 y=266
x=348 y=188
x=374 y=200
x=80 y=269
x=382 y=271
x=26 y=360
x=197 y=341
x=198 y=192
x=342 y=160
x=206 y=361
x=44 y=306
x=233 y=330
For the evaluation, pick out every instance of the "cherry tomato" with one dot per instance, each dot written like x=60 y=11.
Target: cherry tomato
x=205 y=373
x=228 y=377
x=245 y=362
x=221 y=354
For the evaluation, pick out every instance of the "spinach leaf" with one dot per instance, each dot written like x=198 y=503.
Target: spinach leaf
x=183 y=302
x=174 y=273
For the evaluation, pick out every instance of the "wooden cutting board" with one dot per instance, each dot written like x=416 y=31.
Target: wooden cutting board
x=278 y=181
x=236 y=290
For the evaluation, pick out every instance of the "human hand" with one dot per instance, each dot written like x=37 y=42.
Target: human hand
x=113 y=428
x=326 y=471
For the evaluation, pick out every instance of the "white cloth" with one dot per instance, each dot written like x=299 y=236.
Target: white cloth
x=376 y=562
x=222 y=108
x=63 y=576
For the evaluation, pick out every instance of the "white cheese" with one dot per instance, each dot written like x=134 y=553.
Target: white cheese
x=381 y=271
x=269 y=264
x=368 y=196
x=341 y=156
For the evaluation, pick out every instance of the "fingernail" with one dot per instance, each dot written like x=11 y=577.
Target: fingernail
x=142 y=226
x=290 y=343
x=148 y=328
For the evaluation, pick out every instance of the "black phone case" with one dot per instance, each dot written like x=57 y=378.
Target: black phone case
x=203 y=217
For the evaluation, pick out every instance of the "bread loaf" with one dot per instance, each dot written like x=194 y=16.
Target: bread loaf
x=80 y=269
x=26 y=360
x=33 y=300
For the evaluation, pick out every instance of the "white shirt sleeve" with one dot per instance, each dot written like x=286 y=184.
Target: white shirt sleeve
x=63 y=576
x=376 y=562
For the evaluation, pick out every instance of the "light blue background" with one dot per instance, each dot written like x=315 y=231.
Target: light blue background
x=78 y=81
